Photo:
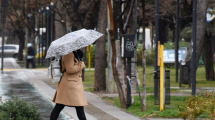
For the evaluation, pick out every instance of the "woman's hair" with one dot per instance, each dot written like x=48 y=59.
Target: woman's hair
x=78 y=54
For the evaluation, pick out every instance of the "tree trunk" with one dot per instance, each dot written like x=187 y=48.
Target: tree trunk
x=21 y=36
x=115 y=71
x=144 y=59
x=60 y=27
x=200 y=31
x=208 y=58
x=100 y=59
x=94 y=10
x=113 y=61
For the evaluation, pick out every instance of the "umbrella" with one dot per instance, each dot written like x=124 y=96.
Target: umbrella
x=72 y=41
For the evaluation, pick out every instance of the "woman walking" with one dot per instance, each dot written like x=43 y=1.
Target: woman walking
x=70 y=91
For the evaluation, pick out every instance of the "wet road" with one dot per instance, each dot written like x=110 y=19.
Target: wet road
x=13 y=83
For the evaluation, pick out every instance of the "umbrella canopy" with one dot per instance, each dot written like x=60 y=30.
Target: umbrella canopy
x=72 y=41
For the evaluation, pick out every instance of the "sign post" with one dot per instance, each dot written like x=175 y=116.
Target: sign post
x=128 y=52
x=4 y=4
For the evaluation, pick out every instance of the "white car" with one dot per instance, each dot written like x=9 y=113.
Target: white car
x=10 y=50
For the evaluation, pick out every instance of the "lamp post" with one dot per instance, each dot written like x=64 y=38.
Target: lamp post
x=39 y=30
x=52 y=22
x=4 y=4
x=42 y=34
x=156 y=78
x=47 y=32
x=176 y=42
x=36 y=30
x=194 y=48
x=29 y=16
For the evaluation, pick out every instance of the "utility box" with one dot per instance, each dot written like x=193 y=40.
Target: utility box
x=128 y=45
x=185 y=76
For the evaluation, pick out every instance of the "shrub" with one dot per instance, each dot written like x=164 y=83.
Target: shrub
x=139 y=55
x=193 y=107
x=209 y=104
x=17 y=109
x=150 y=56
x=171 y=45
x=196 y=105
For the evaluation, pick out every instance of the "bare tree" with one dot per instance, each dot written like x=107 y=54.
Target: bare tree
x=113 y=61
x=100 y=58
x=208 y=57
x=144 y=58
x=200 y=30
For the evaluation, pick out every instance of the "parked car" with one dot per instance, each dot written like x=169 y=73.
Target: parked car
x=10 y=50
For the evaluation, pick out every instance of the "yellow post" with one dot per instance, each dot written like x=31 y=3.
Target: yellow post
x=159 y=57
x=89 y=56
x=161 y=79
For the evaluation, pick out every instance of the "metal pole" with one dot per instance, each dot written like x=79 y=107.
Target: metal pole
x=135 y=18
x=47 y=33
x=194 y=50
x=2 y=54
x=39 y=30
x=128 y=85
x=52 y=22
x=176 y=42
x=4 y=4
x=42 y=36
x=156 y=81
x=156 y=33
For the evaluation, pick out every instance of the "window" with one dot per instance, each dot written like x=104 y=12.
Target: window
x=4 y=48
x=11 y=47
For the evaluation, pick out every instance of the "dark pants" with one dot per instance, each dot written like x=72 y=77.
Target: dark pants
x=30 y=61
x=59 y=107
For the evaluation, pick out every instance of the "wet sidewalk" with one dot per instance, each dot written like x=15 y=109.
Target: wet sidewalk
x=34 y=86
x=14 y=84
x=97 y=109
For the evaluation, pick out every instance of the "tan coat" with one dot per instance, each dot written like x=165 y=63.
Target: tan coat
x=70 y=90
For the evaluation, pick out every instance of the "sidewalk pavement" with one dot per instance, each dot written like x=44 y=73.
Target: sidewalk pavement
x=97 y=109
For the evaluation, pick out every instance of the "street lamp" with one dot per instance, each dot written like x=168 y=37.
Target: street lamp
x=29 y=16
x=52 y=5
x=52 y=22
x=47 y=32
x=42 y=34
x=39 y=36
x=194 y=48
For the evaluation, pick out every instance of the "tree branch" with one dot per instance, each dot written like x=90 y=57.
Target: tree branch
x=128 y=17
